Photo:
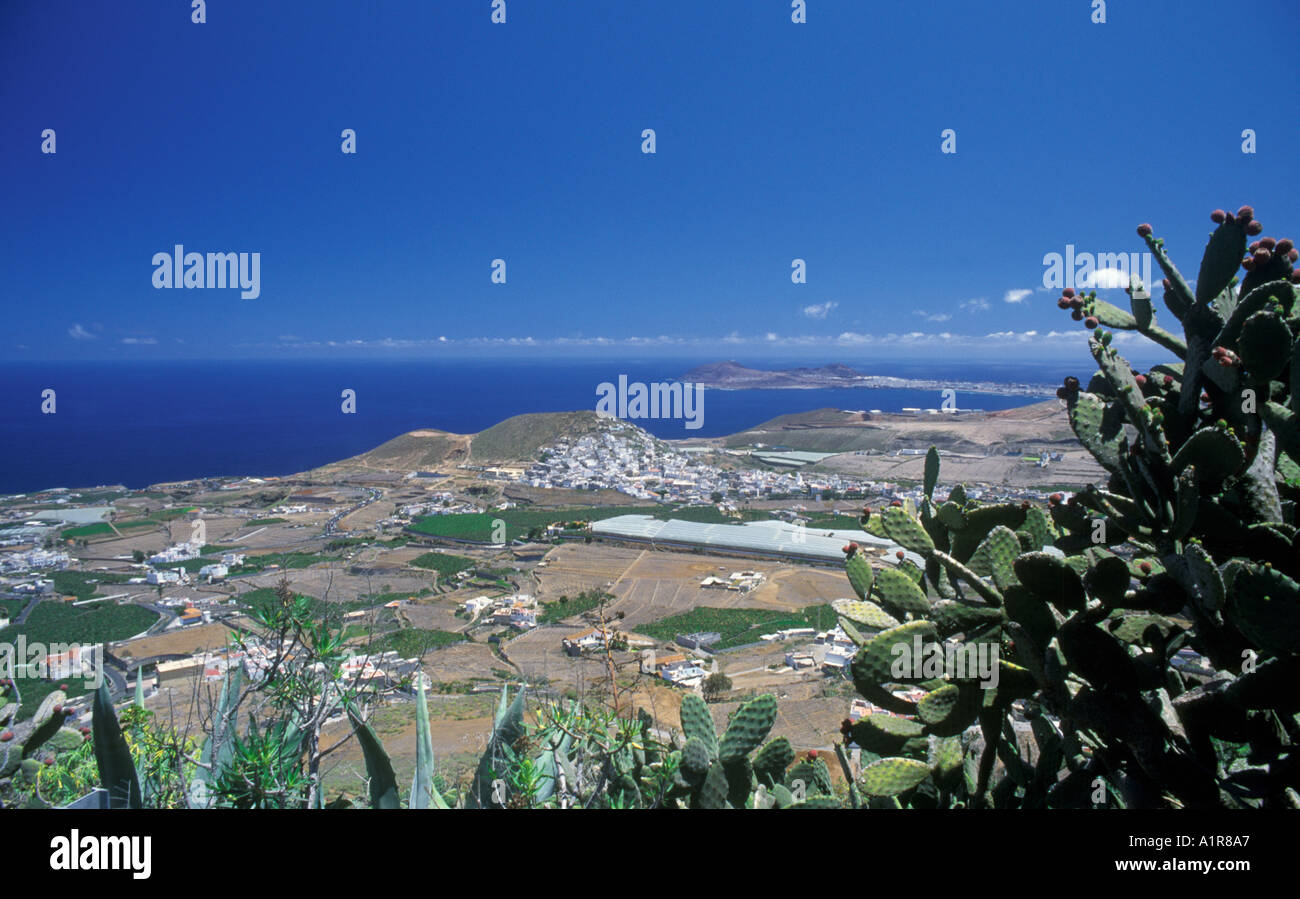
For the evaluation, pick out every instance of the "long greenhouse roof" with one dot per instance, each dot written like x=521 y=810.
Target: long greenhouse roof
x=771 y=537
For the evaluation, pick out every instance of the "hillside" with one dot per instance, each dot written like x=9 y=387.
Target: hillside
x=413 y=451
x=831 y=430
x=518 y=439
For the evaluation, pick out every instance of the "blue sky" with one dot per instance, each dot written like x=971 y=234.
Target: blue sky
x=522 y=141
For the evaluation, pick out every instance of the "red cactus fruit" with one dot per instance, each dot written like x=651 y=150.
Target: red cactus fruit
x=812 y=753
x=899 y=554
x=1090 y=322
x=49 y=760
x=1076 y=303
x=1245 y=214
x=1144 y=230
x=1254 y=228
x=1295 y=276
x=896 y=504
x=1164 y=282
x=1068 y=292
x=1055 y=498
x=6 y=736
x=1248 y=263
x=1262 y=256
x=1284 y=245
x=1292 y=254
x=1145 y=567
x=1267 y=243
x=1141 y=380
x=1169 y=380
x=1063 y=303
x=1071 y=382
x=1076 y=315
x=1218 y=216
x=1253 y=247
x=58 y=710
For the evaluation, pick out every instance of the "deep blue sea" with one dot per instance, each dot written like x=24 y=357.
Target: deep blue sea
x=139 y=423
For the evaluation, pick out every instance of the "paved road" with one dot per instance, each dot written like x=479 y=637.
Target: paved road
x=331 y=526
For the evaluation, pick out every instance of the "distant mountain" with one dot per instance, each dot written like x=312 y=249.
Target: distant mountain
x=837 y=431
x=731 y=375
x=734 y=376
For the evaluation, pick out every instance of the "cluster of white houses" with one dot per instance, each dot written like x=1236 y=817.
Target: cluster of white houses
x=626 y=459
x=518 y=610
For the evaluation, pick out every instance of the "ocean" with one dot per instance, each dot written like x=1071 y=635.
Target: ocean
x=139 y=423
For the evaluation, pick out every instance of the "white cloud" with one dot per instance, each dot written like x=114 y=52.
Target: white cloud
x=76 y=332
x=939 y=339
x=979 y=304
x=819 y=310
x=1106 y=279
x=147 y=341
x=1015 y=296
x=933 y=316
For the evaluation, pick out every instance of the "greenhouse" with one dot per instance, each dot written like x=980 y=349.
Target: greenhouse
x=774 y=539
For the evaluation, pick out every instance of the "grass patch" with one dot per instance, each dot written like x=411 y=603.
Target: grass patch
x=411 y=642
x=737 y=626
x=55 y=621
x=264 y=598
x=101 y=528
x=286 y=561
x=82 y=584
x=264 y=521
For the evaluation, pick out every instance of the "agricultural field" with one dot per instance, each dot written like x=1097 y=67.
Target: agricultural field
x=55 y=621
x=264 y=598
x=83 y=584
x=570 y=606
x=413 y=642
x=737 y=626
x=445 y=564
x=103 y=528
x=572 y=568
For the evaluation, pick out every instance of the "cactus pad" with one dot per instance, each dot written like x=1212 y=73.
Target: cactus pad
x=873 y=664
x=860 y=573
x=697 y=722
x=899 y=594
x=891 y=776
x=867 y=614
x=748 y=728
x=906 y=531
x=1052 y=580
x=1264 y=604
